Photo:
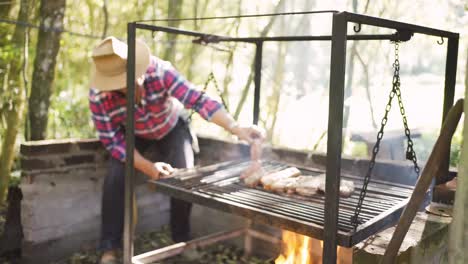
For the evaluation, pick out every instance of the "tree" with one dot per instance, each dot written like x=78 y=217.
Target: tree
x=245 y=92
x=175 y=10
x=13 y=99
x=4 y=12
x=48 y=44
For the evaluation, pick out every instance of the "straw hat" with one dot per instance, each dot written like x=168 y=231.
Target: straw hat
x=110 y=63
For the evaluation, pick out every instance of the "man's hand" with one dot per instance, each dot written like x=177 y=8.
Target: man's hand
x=161 y=170
x=249 y=134
x=164 y=169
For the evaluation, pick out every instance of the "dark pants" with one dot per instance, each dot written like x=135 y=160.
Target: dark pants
x=176 y=149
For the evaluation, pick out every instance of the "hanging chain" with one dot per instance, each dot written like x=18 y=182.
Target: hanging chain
x=410 y=153
x=211 y=78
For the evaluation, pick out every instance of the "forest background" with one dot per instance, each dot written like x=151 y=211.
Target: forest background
x=45 y=49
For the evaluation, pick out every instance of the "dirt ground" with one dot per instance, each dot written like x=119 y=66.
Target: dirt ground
x=222 y=254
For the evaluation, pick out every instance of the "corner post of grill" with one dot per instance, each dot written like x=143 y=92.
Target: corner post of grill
x=449 y=90
x=257 y=80
x=130 y=143
x=335 y=133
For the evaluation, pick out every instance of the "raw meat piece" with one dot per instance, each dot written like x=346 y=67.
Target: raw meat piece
x=346 y=187
x=256 y=150
x=282 y=185
x=253 y=174
x=311 y=185
x=307 y=185
x=269 y=179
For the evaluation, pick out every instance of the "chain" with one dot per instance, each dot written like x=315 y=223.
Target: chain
x=410 y=153
x=211 y=78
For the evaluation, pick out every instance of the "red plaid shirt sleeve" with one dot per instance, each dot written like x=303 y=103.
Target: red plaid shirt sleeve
x=111 y=135
x=185 y=91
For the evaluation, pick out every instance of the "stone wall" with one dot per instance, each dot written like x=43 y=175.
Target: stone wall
x=62 y=182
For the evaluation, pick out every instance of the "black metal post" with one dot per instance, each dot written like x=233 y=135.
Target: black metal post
x=449 y=90
x=257 y=80
x=335 y=132
x=130 y=143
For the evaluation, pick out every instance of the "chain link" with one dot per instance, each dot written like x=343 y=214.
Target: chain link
x=211 y=78
x=410 y=153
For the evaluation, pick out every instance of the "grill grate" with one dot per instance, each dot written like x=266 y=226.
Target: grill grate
x=218 y=186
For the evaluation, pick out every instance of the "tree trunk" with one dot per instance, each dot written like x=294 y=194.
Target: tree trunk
x=175 y=11
x=274 y=100
x=245 y=92
x=230 y=61
x=365 y=67
x=15 y=97
x=458 y=245
x=106 y=18
x=48 y=44
x=4 y=30
x=194 y=48
x=6 y=8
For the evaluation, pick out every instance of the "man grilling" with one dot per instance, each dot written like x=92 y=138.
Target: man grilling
x=160 y=95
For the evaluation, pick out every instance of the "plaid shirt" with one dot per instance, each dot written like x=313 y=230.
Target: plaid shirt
x=157 y=113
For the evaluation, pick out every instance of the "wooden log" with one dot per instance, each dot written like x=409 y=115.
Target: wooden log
x=434 y=166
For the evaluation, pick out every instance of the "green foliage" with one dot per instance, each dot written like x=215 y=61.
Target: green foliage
x=455 y=149
x=69 y=116
x=357 y=149
x=424 y=145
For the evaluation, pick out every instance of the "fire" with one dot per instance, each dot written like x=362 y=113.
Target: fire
x=299 y=249
x=296 y=249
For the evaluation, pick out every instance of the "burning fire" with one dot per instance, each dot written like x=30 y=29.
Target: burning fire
x=299 y=249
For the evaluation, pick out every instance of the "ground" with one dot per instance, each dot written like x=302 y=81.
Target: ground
x=216 y=254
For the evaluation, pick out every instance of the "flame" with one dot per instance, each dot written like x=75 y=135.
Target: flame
x=296 y=249
x=299 y=249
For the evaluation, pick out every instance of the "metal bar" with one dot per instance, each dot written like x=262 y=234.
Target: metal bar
x=176 y=249
x=287 y=212
x=173 y=30
x=248 y=245
x=262 y=236
x=335 y=132
x=312 y=216
x=256 y=214
x=257 y=80
x=213 y=38
x=386 y=23
x=449 y=94
x=307 y=38
x=130 y=143
x=240 y=16
x=379 y=222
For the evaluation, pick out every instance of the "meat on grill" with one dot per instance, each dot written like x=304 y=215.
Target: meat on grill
x=311 y=185
x=269 y=179
x=284 y=185
x=255 y=171
x=306 y=185
x=256 y=150
x=253 y=174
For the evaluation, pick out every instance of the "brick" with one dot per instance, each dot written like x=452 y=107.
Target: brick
x=63 y=146
x=79 y=159
x=37 y=164
x=90 y=145
x=40 y=148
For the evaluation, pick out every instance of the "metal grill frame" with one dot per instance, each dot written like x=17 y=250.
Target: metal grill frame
x=338 y=38
x=200 y=195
